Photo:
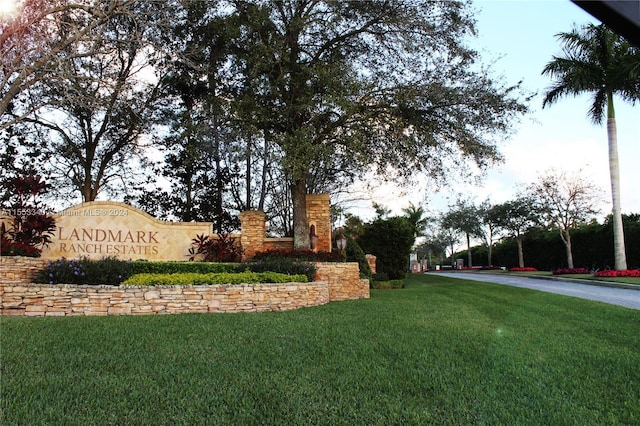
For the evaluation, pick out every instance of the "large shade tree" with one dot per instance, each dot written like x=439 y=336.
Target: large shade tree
x=387 y=84
x=597 y=61
x=36 y=39
x=88 y=108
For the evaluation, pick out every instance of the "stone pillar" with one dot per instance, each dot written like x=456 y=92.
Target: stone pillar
x=319 y=216
x=253 y=232
x=371 y=259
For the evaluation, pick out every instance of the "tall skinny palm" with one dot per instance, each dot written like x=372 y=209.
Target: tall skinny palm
x=599 y=62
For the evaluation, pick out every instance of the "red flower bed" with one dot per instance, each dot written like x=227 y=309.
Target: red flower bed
x=525 y=269
x=613 y=273
x=566 y=271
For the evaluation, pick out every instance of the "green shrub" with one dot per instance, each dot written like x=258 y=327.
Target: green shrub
x=282 y=265
x=390 y=240
x=143 y=267
x=105 y=271
x=212 y=279
x=380 y=276
x=300 y=255
x=388 y=285
x=356 y=254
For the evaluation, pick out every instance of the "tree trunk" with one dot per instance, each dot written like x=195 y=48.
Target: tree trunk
x=567 y=245
x=300 y=223
x=469 y=262
x=490 y=248
x=247 y=202
x=520 y=252
x=265 y=172
x=614 y=172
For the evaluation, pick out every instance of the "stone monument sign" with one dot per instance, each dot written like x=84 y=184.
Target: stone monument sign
x=104 y=228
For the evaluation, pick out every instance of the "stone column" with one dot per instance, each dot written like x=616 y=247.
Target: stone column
x=253 y=232
x=371 y=259
x=319 y=215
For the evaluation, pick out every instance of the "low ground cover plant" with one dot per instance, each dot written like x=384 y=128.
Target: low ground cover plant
x=212 y=279
x=523 y=269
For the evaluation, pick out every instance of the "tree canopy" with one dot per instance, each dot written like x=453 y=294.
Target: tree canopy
x=294 y=96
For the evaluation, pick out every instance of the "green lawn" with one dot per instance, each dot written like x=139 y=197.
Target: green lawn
x=441 y=351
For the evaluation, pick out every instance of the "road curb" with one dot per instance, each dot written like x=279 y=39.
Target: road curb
x=595 y=283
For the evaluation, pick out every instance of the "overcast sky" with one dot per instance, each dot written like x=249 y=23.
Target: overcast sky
x=520 y=35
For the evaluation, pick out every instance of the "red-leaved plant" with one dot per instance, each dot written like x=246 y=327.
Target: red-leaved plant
x=220 y=249
x=31 y=227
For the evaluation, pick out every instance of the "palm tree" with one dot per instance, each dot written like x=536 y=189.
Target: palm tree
x=416 y=217
x=599 y=62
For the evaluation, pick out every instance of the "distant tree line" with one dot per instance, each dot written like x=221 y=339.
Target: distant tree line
x=592 y=247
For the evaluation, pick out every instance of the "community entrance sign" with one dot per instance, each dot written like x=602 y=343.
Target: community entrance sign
x=104 y=228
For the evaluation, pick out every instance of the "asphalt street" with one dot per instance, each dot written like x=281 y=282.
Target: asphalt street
x=629 y=298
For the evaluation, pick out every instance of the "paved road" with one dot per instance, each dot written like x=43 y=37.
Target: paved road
x=629 y=298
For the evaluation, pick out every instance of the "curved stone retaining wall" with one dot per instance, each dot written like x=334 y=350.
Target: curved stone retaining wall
x=18 y=296
x=64 y=299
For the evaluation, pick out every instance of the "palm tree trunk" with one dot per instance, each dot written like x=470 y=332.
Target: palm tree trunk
x=614 y=172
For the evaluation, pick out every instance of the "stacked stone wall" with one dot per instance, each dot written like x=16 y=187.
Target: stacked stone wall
x=18 y=296
x=278 y=244
x=344 y=280
x=63 y=299
x=19 y=269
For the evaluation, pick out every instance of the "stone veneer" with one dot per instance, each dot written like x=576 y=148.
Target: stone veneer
x=19 y=269
x=64 y=299
x=335 y=281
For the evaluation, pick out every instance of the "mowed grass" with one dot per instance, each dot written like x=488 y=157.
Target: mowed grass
x=441 y=351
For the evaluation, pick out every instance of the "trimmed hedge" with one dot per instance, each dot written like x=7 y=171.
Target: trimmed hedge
x=301 y=255
x=212 y=279
x=283 y=265
x=144 y=267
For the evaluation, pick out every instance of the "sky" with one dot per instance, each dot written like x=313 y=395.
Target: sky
x=520 y=37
